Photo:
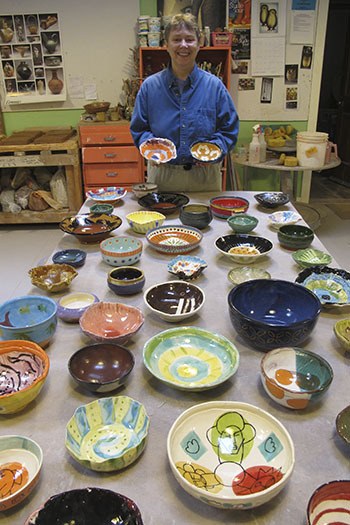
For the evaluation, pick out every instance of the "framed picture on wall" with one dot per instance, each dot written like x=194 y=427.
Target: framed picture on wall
x=211 y=13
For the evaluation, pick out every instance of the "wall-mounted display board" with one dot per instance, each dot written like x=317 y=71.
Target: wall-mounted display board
x=32 y=58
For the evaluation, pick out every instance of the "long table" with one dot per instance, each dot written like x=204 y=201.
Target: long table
x=320 y=454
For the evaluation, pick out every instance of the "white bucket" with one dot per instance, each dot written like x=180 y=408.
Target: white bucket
x=311 y=148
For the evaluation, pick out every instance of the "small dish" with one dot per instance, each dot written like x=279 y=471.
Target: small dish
x=230 y=454
x=190 y=358
x=142 y=221
x=108 y=194
x=281 y=218
x=90 y=228
x=295 y=236
x=174 y=301
x=242 y=222
x=21 y=460
x=342 y=333
x=329 y=504
x=163 y=202
x=139 y=190
x=121 y=251
x=196 y=215
x=225 y=206
x=247 y=273
x=311 y=257
x=53 y=277
x=342 y=424
x=242 y=248
x=293 y=377
x=174 y=239
x=331 y=285
x=114 y=434
x=102 y=208
x=101 y=367
x=158 y=150
x=111 y=322
x=186 y=267
x=206 y=151
x=75 y=258
x=126 y=280
x=71 y=307
x=272 y=199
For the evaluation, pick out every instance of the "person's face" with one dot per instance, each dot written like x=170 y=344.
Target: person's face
x=182 y=47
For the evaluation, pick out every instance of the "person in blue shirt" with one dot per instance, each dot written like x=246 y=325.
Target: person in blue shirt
x=184 y=104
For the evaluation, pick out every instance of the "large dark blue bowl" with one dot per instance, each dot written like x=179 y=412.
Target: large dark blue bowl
x=273 y=313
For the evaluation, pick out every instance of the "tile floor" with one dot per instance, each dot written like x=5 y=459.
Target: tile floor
x=25 y=246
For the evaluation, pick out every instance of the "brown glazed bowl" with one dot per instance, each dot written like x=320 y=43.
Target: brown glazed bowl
x=101 y=367
x=89 y=227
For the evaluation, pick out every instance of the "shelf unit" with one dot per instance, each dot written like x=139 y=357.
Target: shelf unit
x=64 y=154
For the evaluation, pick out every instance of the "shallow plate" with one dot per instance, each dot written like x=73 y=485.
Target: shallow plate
x=190 y=358
x=206 y=151
x=272 y=199
x=75 y=258
x=280 y=218
x=164 y=202
x=158 y=150
x=247 y=273
x=311 y=257
x=174 y=239
x=331 y=285
x=108 y=194
x=186 y=266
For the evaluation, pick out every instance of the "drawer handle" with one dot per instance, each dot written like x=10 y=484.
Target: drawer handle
x=110 y=138
x=110 y=155
x=112 y=174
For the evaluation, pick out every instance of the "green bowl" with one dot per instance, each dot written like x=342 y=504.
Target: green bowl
x=242 y=222
x=342 y=332
x=295 y=236
x=102 y=208
x=311 y=257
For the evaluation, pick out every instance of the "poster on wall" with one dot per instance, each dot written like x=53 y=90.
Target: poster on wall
x=31 y=56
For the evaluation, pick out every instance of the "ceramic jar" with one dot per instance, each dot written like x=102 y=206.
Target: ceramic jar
x=23 y=71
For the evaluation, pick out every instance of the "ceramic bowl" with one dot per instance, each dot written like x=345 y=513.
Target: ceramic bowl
x=174 y=239
x=342 y=332
x=190 y=358
x=89 y=505
x=246 y=273
x=225 y=206
x=187 y=267
x=311 y=257
x=158 y=149
x=295 y=236
x=52 y=277
x=75 y=258
x=331 y=285
x=342 y=424
x=20 y=465
x=272 y=199
x=23 y=370
x=293 y=376
x=140 y=190
x=126 y=280
x=282 y=218
x=230 y=455
x=101 y=367
x=113 y=435
x=96 y=107
x=101 y=208
x=330 y=504
x=90 y=228
x=271 y=313
x=196 y=215
x=71 y=307
x=206 y=151
x=121 y=251
x=142 y=221
x=242 y=248
x=30 y=317
x=174 y=301
x=107 y=322
x=163 y=202
x=242 y=222
x=107 y=195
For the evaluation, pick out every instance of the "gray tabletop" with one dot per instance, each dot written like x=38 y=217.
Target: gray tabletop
x=320 y=455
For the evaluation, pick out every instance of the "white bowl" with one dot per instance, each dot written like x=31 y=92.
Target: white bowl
x=281 y=218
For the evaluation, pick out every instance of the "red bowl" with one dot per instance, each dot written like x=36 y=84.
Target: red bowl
x=223 y=207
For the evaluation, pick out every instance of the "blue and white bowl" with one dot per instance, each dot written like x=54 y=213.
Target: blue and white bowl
x=109 y=194
x=281 y=218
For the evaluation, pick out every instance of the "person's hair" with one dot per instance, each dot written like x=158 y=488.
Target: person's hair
x=182 y=20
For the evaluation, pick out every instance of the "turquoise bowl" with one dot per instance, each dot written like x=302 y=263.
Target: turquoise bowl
x=102 y=208
x=121 y=251
x=242 y=222
x=31 y=317
x=295 y=236
x=108 y=434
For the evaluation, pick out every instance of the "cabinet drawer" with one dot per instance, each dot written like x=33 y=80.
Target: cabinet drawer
x=110 y=154
x=108 y=135
x=111 y=174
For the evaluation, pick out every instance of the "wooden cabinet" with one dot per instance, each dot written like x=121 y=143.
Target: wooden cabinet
x=109 y=155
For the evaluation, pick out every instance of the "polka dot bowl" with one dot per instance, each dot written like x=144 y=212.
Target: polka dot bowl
x=121 y=251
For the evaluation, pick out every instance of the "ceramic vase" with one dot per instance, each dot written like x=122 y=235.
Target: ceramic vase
x=55 y=84
x=23 y=70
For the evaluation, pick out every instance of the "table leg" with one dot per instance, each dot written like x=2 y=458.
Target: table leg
x=286 y=182
x=305 y=186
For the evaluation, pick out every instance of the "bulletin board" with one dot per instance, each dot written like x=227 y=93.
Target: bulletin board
x=96 y=40
x=276 y=91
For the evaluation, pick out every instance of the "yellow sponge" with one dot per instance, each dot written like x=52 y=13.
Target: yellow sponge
x=291 y=162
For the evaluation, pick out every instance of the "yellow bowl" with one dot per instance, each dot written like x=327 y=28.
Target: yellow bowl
x=142 y=221
x=53 y=277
